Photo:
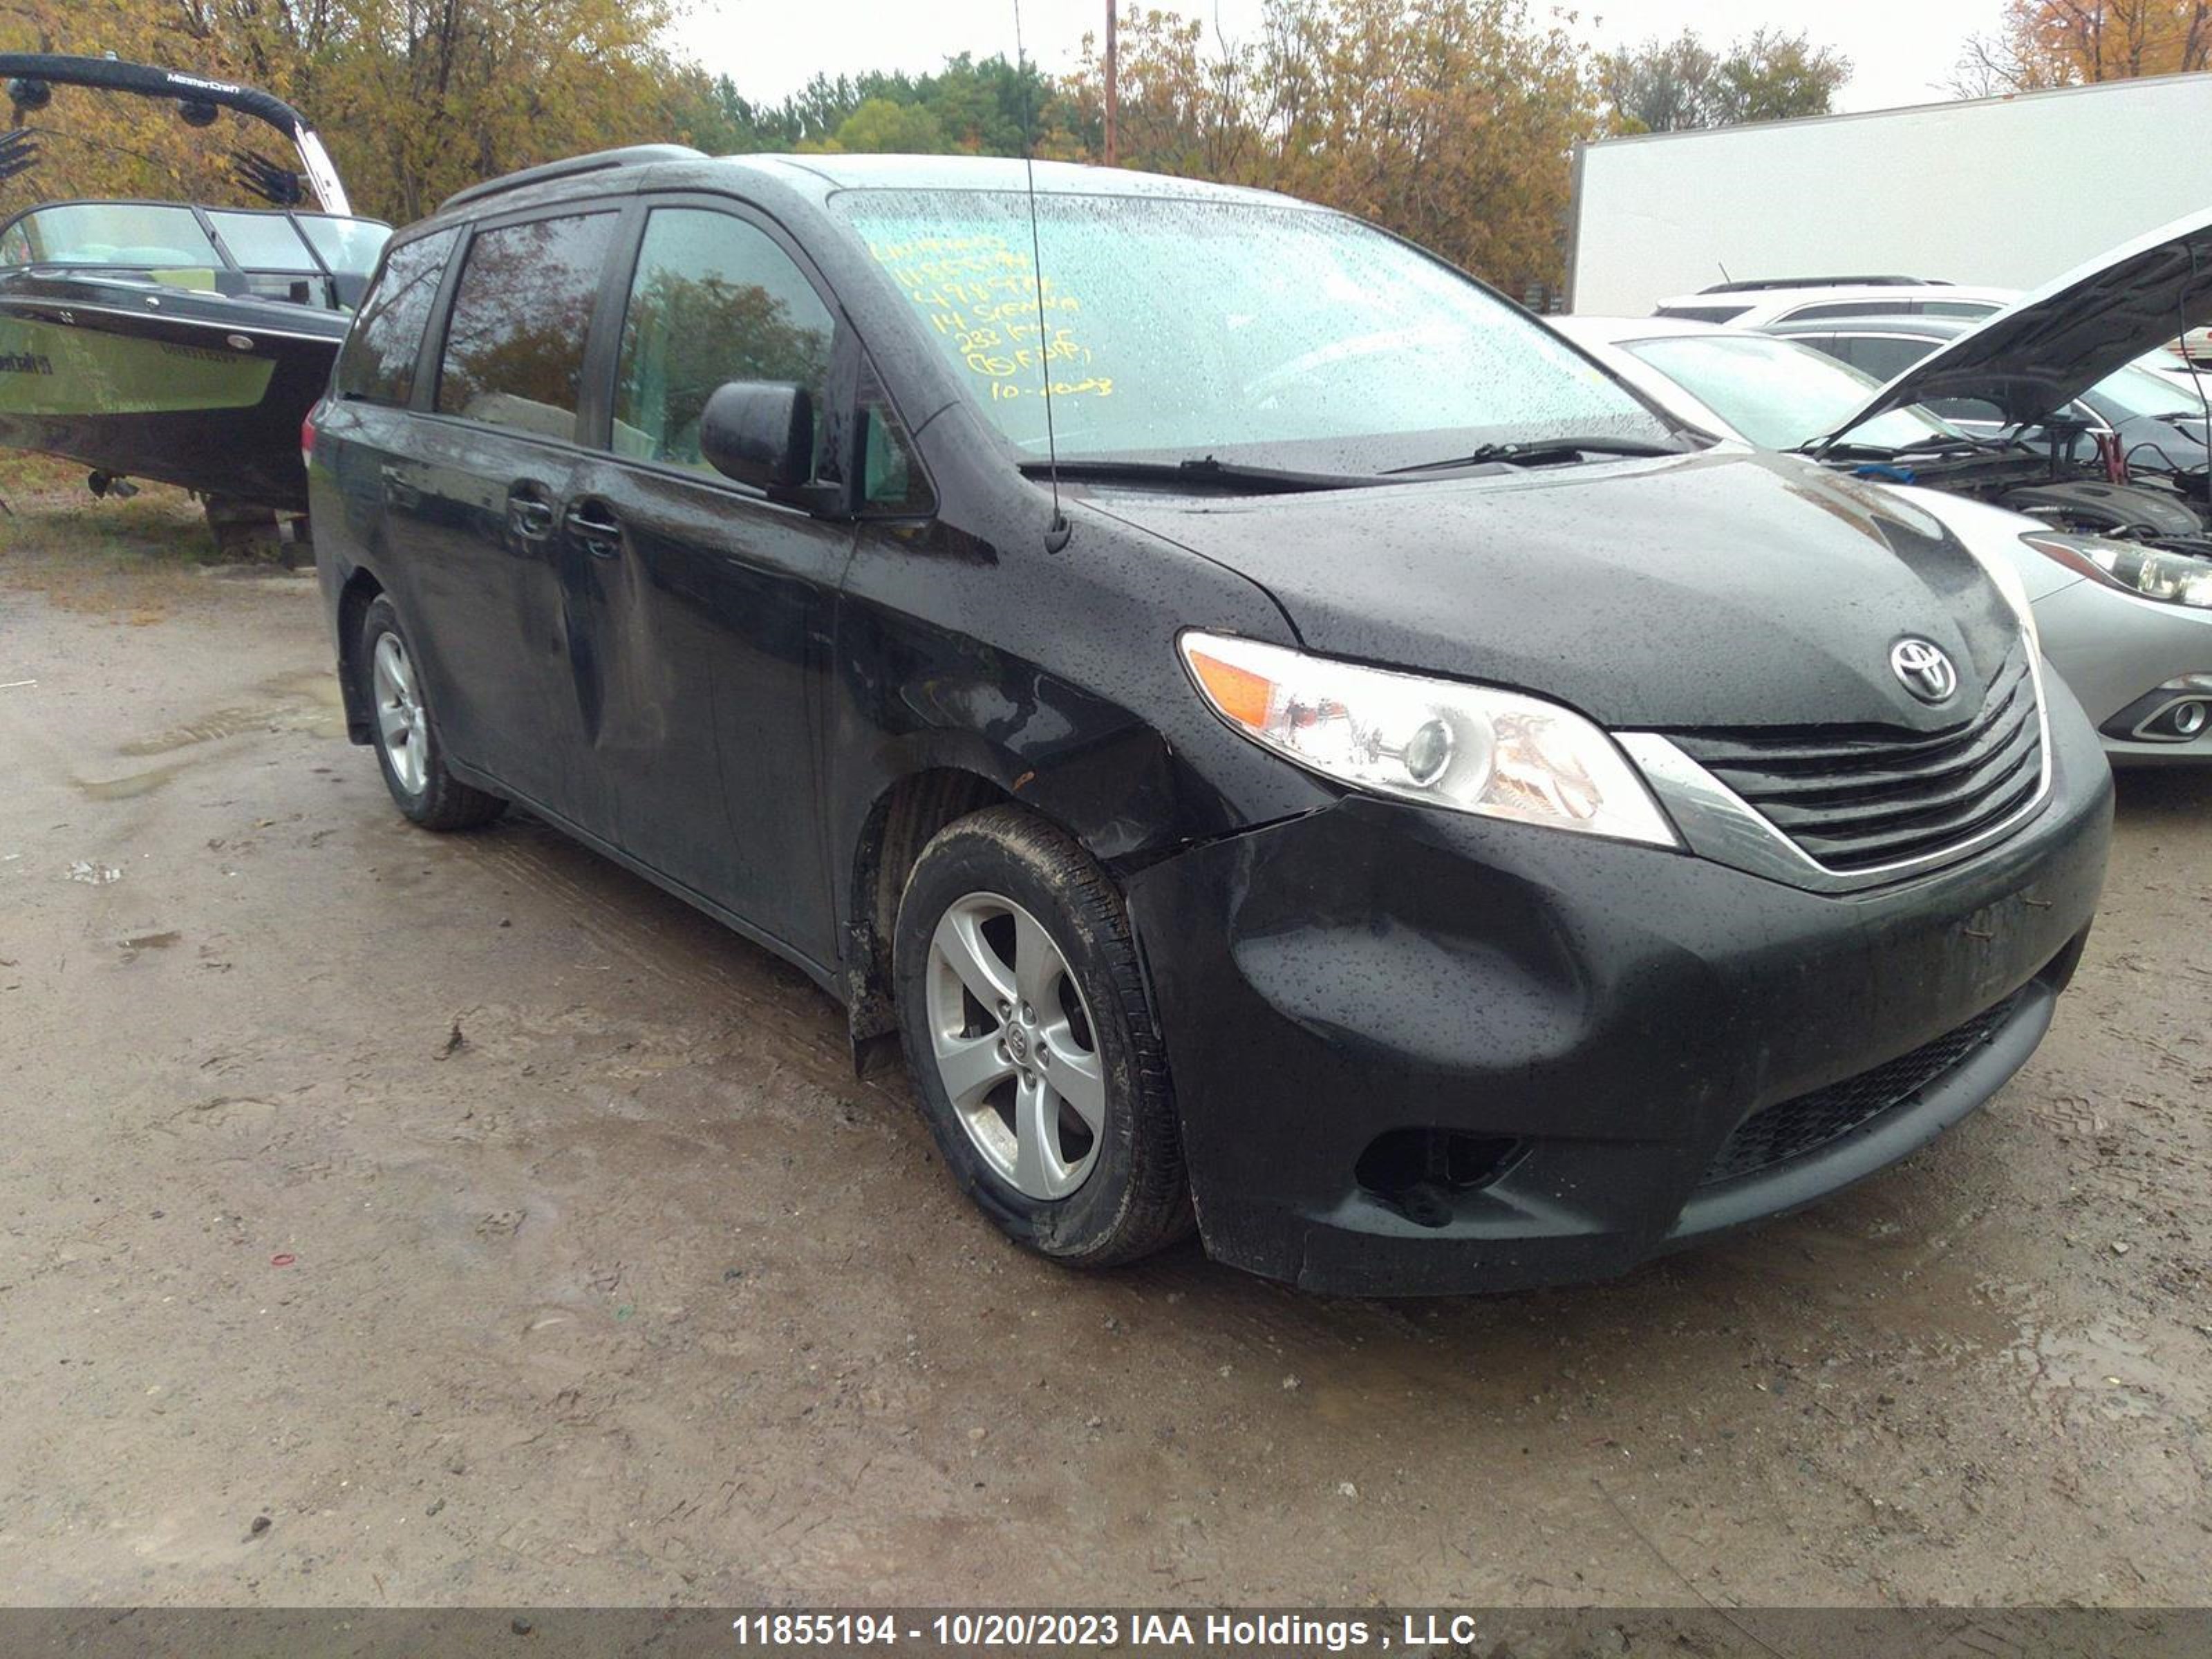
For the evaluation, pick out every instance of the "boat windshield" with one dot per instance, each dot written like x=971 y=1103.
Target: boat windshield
x=309 y=258
x=349 y=246
x=261 y=241
x=142 y=235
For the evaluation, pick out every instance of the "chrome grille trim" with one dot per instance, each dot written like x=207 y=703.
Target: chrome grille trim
x=1719 y=824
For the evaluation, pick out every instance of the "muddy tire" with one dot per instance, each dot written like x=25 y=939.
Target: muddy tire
x=1031 y=1046
x=405 y=730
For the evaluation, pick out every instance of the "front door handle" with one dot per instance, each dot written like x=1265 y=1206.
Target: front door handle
x=593 y=528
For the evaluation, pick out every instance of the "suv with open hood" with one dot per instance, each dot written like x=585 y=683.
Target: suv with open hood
x=1291 y=746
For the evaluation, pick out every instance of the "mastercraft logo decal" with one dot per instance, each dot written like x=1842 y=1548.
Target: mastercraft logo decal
x=22 y=362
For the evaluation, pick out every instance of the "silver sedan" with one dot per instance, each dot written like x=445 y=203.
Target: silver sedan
x=2127 y=626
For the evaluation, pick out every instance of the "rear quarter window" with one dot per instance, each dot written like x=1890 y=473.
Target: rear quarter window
x=1841 y=308
x=1701 y=313
x=377 y=364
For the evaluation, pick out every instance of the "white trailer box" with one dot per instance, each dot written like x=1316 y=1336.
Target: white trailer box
x=2004 y=192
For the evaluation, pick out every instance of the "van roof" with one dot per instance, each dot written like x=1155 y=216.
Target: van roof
x=822 y=176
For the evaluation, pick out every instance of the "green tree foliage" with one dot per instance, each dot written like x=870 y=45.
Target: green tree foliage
x=1674 y=86
x=975 y=107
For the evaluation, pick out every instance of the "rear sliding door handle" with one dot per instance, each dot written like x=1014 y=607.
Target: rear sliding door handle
x=397 y=490
x=529 y=517
x=592 y=528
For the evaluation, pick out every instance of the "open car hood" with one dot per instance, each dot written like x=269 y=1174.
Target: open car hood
x=2047 y=349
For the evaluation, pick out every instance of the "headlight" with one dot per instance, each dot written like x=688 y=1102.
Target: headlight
x=1439 y=742
x=2148 y=572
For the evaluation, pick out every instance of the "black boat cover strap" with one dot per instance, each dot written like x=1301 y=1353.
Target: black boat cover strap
x=111 y=75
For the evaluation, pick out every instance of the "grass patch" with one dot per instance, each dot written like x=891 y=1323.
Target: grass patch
x=134 y=560
x=50 y=513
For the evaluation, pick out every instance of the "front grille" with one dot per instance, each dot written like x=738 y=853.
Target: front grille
x=1792 y=1128
x=1858 y=798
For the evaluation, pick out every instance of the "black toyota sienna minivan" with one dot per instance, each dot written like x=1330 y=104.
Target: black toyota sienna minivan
x=1293 y=747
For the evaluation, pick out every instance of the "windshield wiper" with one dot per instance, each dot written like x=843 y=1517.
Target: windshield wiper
x=1202 y=469
x=1546 y=451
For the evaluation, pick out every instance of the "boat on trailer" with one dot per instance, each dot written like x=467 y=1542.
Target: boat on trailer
x=174 y=341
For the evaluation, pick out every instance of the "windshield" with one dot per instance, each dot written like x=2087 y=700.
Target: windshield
x=2137 y=390
x=349 y=246
x=1264 y=334
x=167 y=236
x=142 y=235
x=261 y=241
x=1778 y=394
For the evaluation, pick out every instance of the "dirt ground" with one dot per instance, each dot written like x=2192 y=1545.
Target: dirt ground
x=393 y=1218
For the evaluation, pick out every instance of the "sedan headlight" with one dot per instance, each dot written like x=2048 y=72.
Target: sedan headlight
x=1471 y=748
x=2150 y=573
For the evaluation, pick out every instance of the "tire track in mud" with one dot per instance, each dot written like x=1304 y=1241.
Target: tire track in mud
x=714 y=969
x=289 y=704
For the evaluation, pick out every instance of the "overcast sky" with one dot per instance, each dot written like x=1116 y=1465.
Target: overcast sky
x=1900 y=49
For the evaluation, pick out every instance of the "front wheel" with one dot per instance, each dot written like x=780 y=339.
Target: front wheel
x=1030 y=1043
x=406 y=737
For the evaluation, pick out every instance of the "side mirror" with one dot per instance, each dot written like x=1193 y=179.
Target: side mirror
x=759 y=432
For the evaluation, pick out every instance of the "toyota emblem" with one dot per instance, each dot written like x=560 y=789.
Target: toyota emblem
x=1924 y=668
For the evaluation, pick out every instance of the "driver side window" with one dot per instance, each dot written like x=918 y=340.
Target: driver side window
x=713 y=299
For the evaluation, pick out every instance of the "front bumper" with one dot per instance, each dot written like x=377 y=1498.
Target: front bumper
x=2114 y=652
x=1587 y=1022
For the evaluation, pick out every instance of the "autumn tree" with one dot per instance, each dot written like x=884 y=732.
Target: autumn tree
x=415 y=97
x=1190 y=104
x=2072 y=42
x=1674 y=86
x=100 y=145
x=1450 y=121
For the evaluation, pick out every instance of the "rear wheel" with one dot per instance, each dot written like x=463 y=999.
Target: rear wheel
x=406 y=737
x=1030 y=1043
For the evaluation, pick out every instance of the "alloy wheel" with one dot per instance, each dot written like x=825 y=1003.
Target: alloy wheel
x=1015 y=1046
x=400 y=727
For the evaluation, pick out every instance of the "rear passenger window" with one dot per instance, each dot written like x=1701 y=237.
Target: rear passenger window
x=1841 y=308
x=1967 y=410
x=1883 y=356
x=378 y=362
x=1957 y=308
x=713 y=299
x=514 y=347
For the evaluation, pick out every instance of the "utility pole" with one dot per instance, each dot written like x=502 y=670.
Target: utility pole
x=1113 y=92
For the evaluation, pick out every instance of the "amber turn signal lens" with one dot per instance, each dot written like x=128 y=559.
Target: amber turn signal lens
x=1239 y=693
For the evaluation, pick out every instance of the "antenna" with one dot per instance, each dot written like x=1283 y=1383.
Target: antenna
x=1056 y=537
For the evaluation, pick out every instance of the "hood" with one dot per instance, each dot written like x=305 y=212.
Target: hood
x=1722 y=589
x=2050 y=346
